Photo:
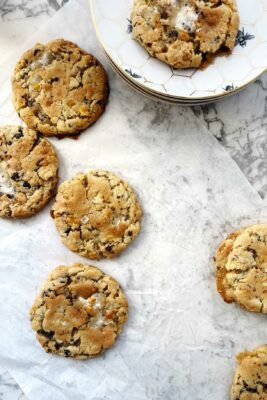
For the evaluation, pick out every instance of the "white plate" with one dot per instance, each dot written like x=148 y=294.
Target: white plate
x=157 y=97
x=249 y=59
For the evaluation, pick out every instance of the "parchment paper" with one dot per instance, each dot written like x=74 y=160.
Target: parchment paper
x=181 y=338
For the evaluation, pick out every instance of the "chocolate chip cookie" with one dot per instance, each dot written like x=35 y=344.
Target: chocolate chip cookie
x=28 y=171
x=185 y=33
x=250 y=380
x=97 y=214
x=79 y=312
x=59 y=89
x=241 y=262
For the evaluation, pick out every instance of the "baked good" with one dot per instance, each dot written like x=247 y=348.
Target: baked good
x=79 y=312
x=241 y=261
x=96 y=214
x=59 y=89
x=28 y=171
x=250 y=379
x=184 y=33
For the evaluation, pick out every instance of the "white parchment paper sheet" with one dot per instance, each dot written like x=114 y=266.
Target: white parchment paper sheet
x=181 y=338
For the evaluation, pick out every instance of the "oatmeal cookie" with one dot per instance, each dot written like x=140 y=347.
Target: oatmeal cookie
x=59 y=89
x=79 y=312
x=184 y=33
x=241 y=262
x=250 y=380
x=28 y=171
x=97 y=214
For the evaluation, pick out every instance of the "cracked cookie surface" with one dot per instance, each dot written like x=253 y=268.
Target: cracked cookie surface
x=28 y=171
x=241 y=268
x=96 y=214
x=184 y=33
x=79 y=312
x=250 y=379
x=59 y=89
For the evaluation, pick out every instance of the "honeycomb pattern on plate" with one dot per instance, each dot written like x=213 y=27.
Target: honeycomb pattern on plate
x=246 y=63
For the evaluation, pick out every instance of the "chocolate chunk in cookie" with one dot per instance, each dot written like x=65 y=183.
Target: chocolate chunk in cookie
x=79 y=312
x=184 y=33
x=59 y=89
x=241 y=262
x=250 y=380
x=28 y=171
x=97 y=214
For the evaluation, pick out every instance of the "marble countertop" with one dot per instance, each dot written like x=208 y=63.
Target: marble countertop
x=239 y=123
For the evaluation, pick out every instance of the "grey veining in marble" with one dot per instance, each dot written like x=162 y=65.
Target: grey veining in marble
x=240 y=124
x=15 y=9
x=9 y=390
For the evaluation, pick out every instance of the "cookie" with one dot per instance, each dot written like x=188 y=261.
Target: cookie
x=241 y=262
x=28 y=171
x=59 y=89
x=79 y=312
x=250 y=379
x=185 y=33
x=96 y=214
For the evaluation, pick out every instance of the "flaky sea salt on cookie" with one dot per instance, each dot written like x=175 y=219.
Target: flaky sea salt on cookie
x=250 y=379
x=59 y=89
x=28 y=171
x=79 y=312
x=241 y=268
x=97 y=214
x=184 y=33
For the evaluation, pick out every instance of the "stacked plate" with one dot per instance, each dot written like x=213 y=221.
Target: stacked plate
x=225 y=76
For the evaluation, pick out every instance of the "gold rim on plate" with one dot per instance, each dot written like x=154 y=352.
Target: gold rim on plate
x=152 y=95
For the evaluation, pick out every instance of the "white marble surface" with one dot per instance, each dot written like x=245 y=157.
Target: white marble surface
x=9 y=389
x=239 y=123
